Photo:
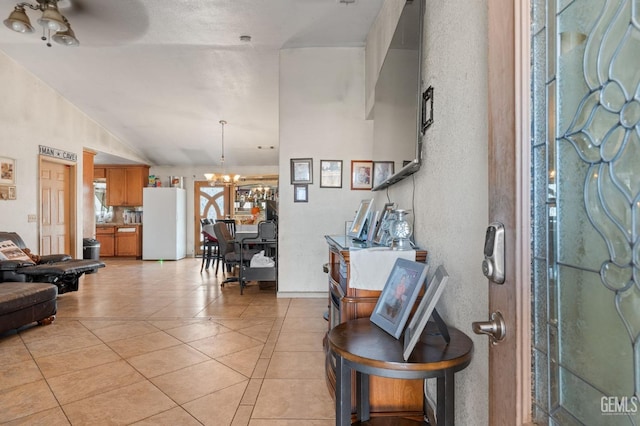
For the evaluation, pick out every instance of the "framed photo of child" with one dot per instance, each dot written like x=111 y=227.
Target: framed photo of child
x=399 y=295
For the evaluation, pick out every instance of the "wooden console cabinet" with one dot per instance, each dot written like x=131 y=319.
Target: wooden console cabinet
x=399 y=397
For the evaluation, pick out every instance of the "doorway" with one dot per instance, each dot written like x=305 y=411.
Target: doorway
x=586 y=211
x=57 y=223
x=211 y=202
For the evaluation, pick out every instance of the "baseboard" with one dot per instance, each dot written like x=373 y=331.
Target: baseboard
x=301 y=294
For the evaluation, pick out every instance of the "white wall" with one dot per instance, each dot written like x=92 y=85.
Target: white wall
x=321 y=117
x=32 y=114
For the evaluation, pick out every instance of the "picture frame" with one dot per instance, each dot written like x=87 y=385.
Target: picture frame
x=7 y=171
x=399 y=295
x=300 y=193
x=373 y=223
x=358 y=228
x=301 y=170
x=330 y=173
x=381 y=234
x=382 y=170
x=423 y=312
x=361 y=171
x=426 y=119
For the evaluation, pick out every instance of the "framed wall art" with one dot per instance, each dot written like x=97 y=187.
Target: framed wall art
x=300 y=193
x=361 y=171
x=301 y=170
x=382 y=170
x=398 y=296
x=330 y=173
x=7 y=171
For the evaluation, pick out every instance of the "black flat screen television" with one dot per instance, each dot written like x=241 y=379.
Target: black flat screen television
x=397 y=107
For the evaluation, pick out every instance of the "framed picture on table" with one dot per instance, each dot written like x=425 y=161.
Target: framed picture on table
x=399 y=295
x=425 y=309
x=301 y=170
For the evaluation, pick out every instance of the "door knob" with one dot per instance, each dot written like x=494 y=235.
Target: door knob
x=495 y=328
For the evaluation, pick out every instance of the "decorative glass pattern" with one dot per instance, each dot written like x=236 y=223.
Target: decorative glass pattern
x=586 y=213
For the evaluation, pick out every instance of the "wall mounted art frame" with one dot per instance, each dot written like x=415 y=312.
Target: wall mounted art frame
x=425 y=309
x=330 y=173
x=398 y=295
x=382 y=170
x=7 y=192
x=300 y=193
x=427 y=109
x=358 y=227
x=7 y=171
x=381 y=234
x=301 y=170
x=361 y=171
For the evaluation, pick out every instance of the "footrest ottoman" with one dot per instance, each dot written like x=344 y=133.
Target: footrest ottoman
x=23 y=303
x=65 y=274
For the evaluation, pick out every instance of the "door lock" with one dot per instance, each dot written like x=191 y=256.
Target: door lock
x=493 y=263
x=495 y=328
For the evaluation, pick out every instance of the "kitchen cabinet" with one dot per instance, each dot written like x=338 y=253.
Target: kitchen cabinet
x=124 y=185
x=128 y=241
x=106 y=236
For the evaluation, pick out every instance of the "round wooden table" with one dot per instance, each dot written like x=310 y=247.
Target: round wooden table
x=361 y=346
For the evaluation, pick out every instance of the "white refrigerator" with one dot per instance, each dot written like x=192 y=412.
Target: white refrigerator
x=164 y=223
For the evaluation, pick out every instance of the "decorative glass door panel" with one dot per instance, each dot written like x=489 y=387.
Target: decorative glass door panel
x=586 y=195
x=211 y=203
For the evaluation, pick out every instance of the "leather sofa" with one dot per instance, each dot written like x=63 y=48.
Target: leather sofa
x=22 y=303
x=59 y=269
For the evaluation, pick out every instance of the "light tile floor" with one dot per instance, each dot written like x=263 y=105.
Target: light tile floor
x=159 y=343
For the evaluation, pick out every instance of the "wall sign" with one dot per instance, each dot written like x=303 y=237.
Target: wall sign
x=57 y=153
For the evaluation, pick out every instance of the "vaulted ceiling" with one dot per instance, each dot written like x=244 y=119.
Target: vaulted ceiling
x=161 y=74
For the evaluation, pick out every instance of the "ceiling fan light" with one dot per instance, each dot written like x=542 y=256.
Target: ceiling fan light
x=66 y=38
x=18 y=21
x=52 y=19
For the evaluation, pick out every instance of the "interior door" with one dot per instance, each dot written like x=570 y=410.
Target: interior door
x=55 y=214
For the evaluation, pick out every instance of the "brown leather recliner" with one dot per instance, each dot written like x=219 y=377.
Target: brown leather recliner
x=59 y=269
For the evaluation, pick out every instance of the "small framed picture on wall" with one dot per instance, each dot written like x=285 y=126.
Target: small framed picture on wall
x=300 y=193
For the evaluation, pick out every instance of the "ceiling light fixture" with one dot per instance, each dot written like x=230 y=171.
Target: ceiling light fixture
x=223 y=179
x=51 y=21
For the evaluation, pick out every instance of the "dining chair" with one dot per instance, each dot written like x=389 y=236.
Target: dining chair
x=210 y=248
x=231 y=225
x=230 y=251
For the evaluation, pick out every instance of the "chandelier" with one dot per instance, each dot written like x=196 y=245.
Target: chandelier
x=223 y=178
x=52 y=21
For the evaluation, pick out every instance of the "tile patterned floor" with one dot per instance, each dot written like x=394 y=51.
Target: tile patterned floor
x=159 y=343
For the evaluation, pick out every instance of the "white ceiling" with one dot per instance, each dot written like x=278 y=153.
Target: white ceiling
x=161 y=74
